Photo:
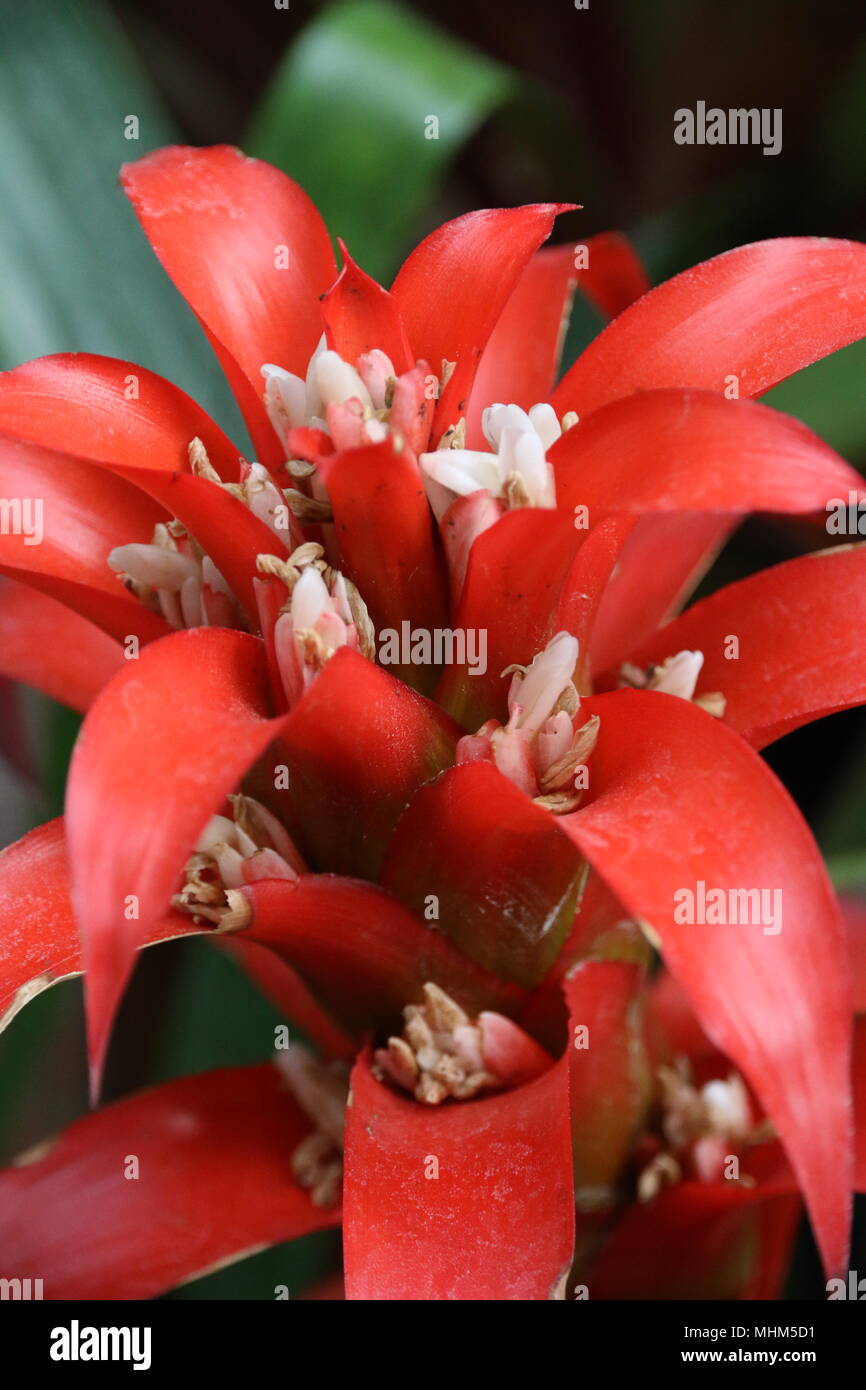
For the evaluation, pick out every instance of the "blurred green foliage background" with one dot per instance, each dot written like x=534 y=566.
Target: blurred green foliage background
x=544 y=102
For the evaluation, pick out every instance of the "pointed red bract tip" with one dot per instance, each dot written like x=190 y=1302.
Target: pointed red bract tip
x=247 y=249
x=361 y=316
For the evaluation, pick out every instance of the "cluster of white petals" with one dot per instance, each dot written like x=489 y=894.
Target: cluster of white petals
x=703 y=1130
x=293 y=402
x=677 y=675
x=516 y=467
x=440 y=1053
x=231 y=851
x=543 y=742
x=317 y=622
x=322 y=613
x=173 y=574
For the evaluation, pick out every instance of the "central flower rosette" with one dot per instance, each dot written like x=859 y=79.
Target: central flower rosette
x=459 y=857
x=308 y=610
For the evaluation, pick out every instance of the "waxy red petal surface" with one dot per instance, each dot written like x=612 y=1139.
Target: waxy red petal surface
x=46 y=645
x=111 y=412
x=799 y=634
x=614 y=276
x=79 y=401
x=693 y=1241
x=85 y=513
x=502 y=876
x=455 y=284
x=360 y=316
x=384 y=530
x=362 y=953
x=520 y=360
x=250 y=254
x=597 y=932
x=679 y=450
x=859 y=1075
x=163 y=744
x=609 y=1084
x=530 y=575
x=498 y=1220
x=757 y=314
x=357 y=745
x=663 y=558
x=213 y=1184
x=39 y=939
x=678 y=798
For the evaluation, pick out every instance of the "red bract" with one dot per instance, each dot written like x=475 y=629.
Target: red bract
x=342 y=719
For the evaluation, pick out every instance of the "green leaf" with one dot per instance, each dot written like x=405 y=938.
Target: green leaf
x=350 y=114
x=295 y=1266
x=216 y=1018
x=76 y=271
x=829 y=398
x=848 y=871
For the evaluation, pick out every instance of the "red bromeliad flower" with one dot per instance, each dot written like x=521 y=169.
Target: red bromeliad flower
x=457 y=871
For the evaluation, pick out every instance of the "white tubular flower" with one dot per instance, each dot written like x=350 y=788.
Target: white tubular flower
x=544 y=743
x=231 y=852
x=677 y=675
x=727 y=1106
x=172 y=574
x=463 y=471
x=292 y=402
x=285 y=400
x=534 y=692
x=153 y=566
x=337 y=381
x=314 y=409
x=324 y=612
x=265 y=500
x=376 y=370
x=543 y=419
x=516 y=470
x=312 y=602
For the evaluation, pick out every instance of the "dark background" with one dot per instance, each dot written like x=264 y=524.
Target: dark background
x=613 y=75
